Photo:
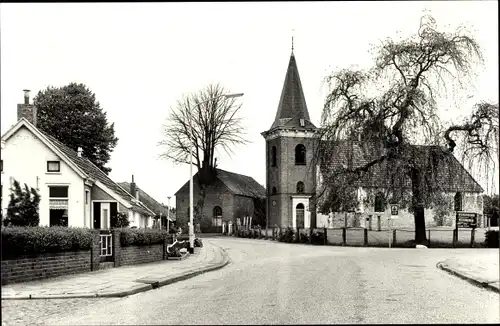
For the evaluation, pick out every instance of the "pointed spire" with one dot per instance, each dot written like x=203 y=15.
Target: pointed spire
x=292 y=109
x=292 y=40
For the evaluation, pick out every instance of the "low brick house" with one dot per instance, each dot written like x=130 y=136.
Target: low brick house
x=230 y=198
x=460 y=191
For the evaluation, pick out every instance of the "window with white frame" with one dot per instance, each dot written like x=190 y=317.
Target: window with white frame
x=58 y=205
x=53 y=166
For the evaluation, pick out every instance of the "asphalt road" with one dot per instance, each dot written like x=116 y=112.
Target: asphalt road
x=277 y=283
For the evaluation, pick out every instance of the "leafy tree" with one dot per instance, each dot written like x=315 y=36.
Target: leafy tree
x=202 y=122
x=23 y=206
x=394 y=104
x=490 y=204
x=73 y=116
x=120 y=220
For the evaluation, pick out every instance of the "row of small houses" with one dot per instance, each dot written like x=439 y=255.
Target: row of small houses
x=74 y=192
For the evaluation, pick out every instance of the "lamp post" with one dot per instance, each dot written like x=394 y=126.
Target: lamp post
x=168 y=213
x=191 y=197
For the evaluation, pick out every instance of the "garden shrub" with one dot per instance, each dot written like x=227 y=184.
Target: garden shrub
x=120 y=220
x=318 y=238
x=491 y=239
x=288 y=235
x=304 y=238
x=198 y=242
x=23 y=206
x=34 y=240
x=242 y=233
x=141 y=237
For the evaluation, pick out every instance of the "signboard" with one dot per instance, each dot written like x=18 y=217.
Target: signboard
x=394 y=211
x=466 y=220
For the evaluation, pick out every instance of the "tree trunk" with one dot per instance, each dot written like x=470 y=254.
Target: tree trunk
x=418 y=207
x=201 y=203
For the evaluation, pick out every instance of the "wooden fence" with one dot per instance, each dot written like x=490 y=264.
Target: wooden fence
x=436 y=238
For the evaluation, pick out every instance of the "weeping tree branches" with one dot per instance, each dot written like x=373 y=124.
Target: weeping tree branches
x=393 y=107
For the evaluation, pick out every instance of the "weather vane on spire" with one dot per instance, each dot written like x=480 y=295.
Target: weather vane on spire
x=293 y=30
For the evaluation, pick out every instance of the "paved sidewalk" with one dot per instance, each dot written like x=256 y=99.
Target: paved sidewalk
x=121 y=281
x=479 y=269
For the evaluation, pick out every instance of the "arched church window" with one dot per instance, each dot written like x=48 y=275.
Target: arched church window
x=273 y=156
x=380 y=202
x=273 y=191
x=217 y=216
x=299 y=214
x=458 y=201
x=300 y=155
x=300 y=187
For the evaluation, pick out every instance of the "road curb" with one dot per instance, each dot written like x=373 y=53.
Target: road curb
x=196 y=272
x=136 y=289
x=470 y=279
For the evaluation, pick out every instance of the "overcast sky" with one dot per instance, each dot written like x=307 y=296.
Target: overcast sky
x=139 y=58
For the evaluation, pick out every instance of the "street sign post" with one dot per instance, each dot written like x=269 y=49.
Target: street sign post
x=394 y=211
x=466 y=220
x=394 y=215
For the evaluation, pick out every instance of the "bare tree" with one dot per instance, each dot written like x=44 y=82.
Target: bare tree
x=394 y=104
x=202 y=122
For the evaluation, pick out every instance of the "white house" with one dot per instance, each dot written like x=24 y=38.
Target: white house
x=74 y=192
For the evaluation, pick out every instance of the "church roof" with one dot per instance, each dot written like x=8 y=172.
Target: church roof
x=238 y=184
x=450 y=173
x=292 y=109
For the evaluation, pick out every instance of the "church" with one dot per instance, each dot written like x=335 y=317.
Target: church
x=292 y=174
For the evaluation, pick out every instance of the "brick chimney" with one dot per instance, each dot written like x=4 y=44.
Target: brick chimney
x=27 y=110
x=133 y=187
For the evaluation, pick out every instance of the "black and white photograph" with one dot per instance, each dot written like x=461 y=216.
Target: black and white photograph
x=249 y=163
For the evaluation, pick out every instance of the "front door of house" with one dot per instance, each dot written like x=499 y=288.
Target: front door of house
x=96 y=213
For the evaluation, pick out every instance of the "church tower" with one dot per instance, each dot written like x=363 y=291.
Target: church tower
x=290 y=147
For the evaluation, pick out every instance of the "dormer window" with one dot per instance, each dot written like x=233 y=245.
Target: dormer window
x=53 y=166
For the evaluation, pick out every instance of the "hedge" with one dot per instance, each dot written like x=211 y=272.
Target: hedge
x=141 y=237
x=491 y=239
x=18 y=240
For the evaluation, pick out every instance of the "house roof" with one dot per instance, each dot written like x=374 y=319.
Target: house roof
x=238 y=184
x=149 y=201
x=292 y=106
x=81 y=164
x=95 y=173
x=450 y=174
